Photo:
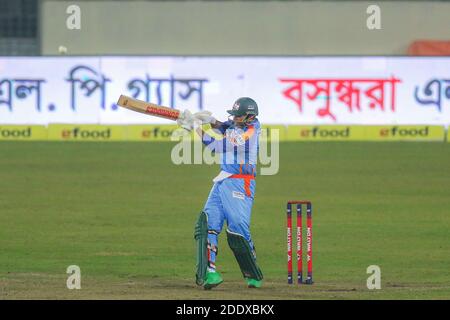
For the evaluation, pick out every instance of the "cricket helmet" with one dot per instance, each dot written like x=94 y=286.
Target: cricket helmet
x=244 y=106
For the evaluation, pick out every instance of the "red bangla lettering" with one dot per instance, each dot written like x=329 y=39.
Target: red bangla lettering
x=348 y=92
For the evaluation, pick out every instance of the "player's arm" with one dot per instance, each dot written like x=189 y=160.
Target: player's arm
x=210 y=142
x=205 y=117
x=186 y=120
x=207 y=140
x=222 y=144
x=216 y=124
x=200 y=132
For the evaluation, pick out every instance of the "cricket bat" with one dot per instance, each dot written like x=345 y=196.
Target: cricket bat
x=148 y=108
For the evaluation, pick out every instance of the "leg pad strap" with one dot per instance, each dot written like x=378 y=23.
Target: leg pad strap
x=201 y=238
x=244 y=255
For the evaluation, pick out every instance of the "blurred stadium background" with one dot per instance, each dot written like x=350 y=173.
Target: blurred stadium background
x=36 y=27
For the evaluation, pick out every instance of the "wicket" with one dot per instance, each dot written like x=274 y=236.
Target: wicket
x=309 y=279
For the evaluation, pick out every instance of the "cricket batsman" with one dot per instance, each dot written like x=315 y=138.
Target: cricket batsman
x=231 y=197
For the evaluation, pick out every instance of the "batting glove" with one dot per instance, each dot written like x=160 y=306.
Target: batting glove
x=186 y=120
x=204 y=117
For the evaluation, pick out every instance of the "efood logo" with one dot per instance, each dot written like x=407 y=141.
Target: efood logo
x=404 y=132
x=78 y=133
x=15 y=133
x=317 y=132
x=157 y=132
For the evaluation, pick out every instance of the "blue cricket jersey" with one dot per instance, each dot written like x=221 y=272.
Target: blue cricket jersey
x=238 y=148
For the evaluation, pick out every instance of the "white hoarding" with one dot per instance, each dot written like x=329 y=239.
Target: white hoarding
x=288 y=90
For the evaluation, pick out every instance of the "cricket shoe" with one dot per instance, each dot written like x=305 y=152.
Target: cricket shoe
x=253 y=283
x=213 y=279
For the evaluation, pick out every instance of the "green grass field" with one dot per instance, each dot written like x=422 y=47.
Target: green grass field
x=125 y=215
